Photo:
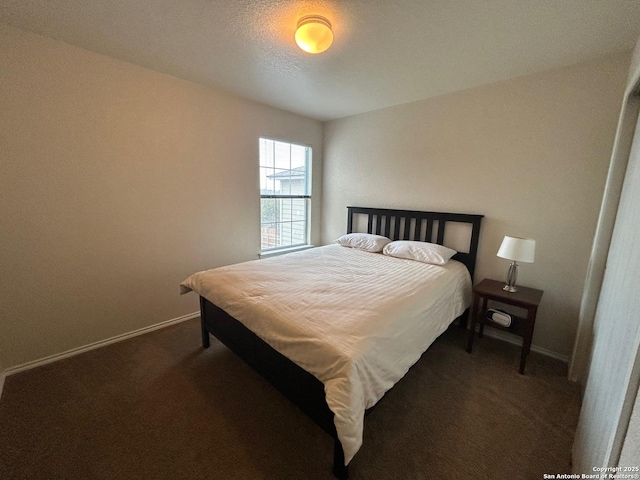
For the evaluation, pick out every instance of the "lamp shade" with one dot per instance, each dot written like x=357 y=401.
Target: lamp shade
x=518 y=249
x=314 y=34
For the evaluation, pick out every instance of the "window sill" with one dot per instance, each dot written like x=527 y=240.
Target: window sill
x=282 y=251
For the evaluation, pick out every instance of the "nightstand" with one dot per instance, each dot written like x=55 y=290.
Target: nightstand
x=527 y=298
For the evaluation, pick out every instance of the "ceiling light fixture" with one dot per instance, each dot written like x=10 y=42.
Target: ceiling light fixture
x=314 y=34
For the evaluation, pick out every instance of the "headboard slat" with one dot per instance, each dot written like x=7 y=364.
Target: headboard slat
x=396 y=227
x=429 y=234
x=387 y=225
x=440 y=239
x=418 y=229
x=378 y=224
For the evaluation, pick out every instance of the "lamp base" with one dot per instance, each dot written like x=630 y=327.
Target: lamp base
x=512 y=275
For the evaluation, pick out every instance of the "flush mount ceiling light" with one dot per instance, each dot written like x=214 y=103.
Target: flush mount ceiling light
x=314 y=34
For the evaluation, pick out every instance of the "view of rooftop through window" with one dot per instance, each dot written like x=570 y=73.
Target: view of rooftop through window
x=285 y=194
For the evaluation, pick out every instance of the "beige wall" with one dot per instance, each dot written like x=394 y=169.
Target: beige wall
x=531 y=154
x=117 y=183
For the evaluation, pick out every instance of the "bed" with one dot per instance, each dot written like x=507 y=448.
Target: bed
x=334 y=328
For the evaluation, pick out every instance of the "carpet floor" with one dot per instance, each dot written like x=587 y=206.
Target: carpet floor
x=159 y=406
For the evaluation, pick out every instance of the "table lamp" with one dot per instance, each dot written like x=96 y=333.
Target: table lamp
x=517 y=250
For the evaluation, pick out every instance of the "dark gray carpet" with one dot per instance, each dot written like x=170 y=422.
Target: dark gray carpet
x=160 y=407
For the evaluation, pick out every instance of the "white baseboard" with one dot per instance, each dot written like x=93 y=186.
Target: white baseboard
x=517 y=341
x=92 y=346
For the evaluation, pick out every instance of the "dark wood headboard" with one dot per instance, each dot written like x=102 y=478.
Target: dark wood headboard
x=410 y=225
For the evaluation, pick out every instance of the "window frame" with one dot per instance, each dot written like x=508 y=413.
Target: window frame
x=306 y=197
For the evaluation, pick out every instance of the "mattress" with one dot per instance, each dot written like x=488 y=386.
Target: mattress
x=355 y=320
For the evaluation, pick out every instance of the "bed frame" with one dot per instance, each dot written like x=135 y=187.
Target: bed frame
x=295 y=383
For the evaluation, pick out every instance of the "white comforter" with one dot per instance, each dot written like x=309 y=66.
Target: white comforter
x=356 y=320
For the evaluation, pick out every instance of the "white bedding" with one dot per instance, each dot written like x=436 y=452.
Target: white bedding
x=356 y=320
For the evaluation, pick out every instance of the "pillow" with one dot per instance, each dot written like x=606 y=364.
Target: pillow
x=420 y=251
x=364 y=241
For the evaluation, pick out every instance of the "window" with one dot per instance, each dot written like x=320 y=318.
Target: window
x=285 y=194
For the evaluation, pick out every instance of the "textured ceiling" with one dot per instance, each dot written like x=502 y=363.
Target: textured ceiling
x=385 y=52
